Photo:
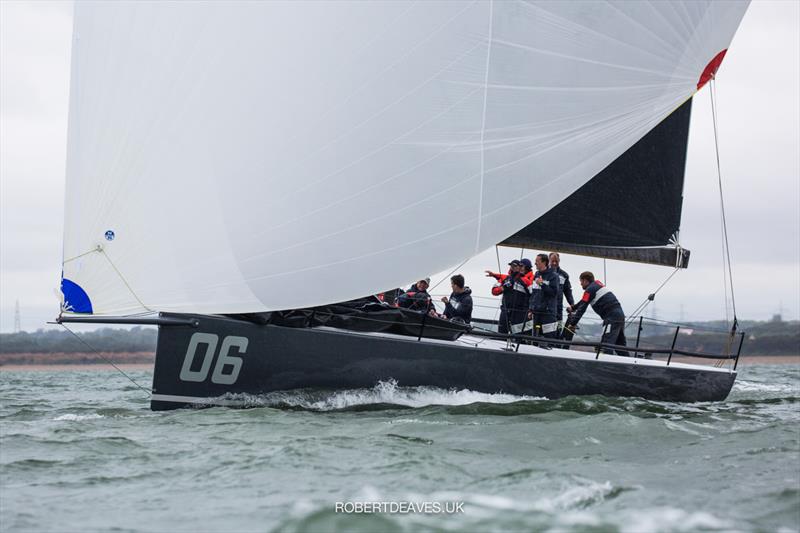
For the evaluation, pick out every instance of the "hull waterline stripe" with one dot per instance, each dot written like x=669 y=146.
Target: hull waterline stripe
x=196 y=400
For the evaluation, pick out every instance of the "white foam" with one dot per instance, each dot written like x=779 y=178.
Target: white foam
x=395 y=421
x=581 y=493
x=679 y=427
x=578 y=496
x=755 y=386
x=659 y=519
x=584 y=440
x=69 y=417
x=388 y=392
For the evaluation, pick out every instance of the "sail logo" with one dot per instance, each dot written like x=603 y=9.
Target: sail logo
x=110 y=235
x=225 y=361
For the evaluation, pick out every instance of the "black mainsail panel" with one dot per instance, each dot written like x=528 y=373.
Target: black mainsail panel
x=631 y=211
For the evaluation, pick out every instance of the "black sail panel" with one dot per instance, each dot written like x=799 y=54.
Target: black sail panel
x=630 y=211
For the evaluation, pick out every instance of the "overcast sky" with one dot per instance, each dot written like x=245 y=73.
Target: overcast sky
x=758 y=92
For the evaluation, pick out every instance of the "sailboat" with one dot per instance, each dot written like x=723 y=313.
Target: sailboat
x=231 y=165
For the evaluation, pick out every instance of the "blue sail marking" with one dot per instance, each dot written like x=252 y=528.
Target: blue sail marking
x=75 y=298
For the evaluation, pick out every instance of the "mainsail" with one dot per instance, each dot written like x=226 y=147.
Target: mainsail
x=249 y=156
x=645 y=185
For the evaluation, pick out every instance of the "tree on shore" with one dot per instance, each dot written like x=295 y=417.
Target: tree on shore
x=138 y=339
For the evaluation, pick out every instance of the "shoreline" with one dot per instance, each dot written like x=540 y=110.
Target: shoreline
x=58 y=367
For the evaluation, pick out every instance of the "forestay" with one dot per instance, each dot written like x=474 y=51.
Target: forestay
x=238 y=157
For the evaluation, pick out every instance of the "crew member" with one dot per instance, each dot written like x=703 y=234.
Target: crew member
x=564 y=290
x=543 y=299
x=498 y=290
x=526 y=272
x=416 y=297
x=459 y=306
x=516 y=297
x=517 y=294
x=606 y=305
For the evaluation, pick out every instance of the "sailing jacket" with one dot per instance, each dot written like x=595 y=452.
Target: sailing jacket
x=497 y=288
x=517 y=292
x=415 y=299
x=602 y=301
x=564 y=290
x=543 y=297
x=459 y=306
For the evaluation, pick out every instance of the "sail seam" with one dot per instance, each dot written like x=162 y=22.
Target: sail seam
x=483 y=127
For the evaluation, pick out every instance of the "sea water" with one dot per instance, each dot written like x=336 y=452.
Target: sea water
x=81 y=451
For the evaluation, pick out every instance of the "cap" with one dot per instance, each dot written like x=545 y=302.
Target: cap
x=515 y=262
x=426 y=280
x=527 y=263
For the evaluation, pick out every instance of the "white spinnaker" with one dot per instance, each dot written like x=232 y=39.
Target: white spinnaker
x=267 y=155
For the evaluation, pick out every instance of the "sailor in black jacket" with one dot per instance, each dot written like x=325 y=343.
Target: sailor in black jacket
x=516 y=296
x=606 y=305
x=459 y=305
x=564 y=287
x=416 y=297
x=543 y=299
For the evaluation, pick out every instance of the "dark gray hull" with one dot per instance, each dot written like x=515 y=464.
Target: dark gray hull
x=204 y=365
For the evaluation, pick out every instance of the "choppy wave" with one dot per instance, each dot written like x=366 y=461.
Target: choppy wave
x=88 y=455
x=742 y=385
x=385 y=394
x=70 y=417
x=574 y=508
x=388 y=395
x=671 y=519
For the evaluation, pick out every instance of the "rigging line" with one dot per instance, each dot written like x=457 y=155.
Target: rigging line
x=93 y=250
x=721 y=230
x=694 y=326
x=724 y=274
x=109 y=361
x=483 y=126
x=721 y=196
x=450 y=274
x=647 y=300
x=110 y=262
x=497 y=253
